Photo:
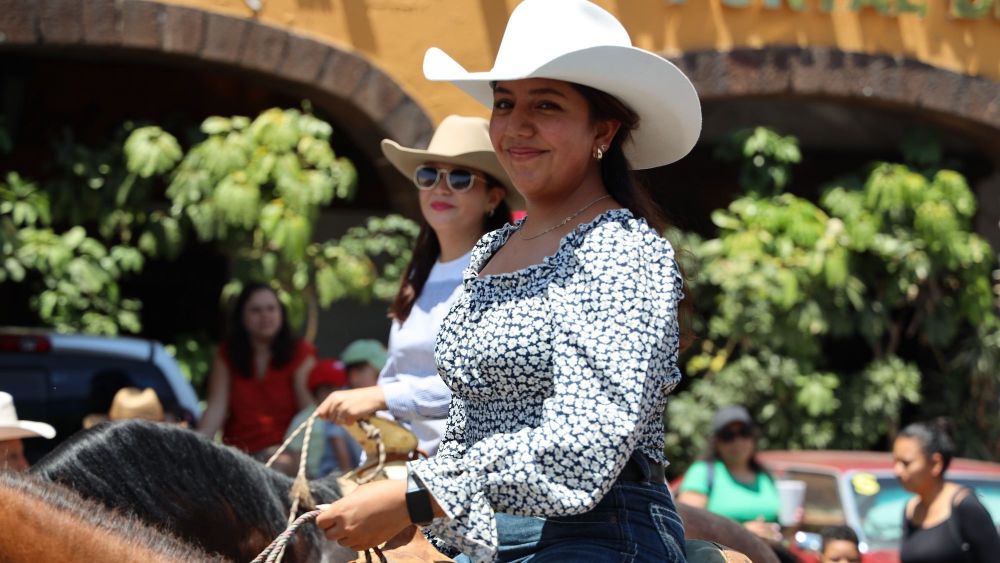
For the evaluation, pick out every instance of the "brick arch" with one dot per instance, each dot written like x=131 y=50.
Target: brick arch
x=355 y=92
x=824 y=72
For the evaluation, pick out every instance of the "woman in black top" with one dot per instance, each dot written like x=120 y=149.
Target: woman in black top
x=944 y=522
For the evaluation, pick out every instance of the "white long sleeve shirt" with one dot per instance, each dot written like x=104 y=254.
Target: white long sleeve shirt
x=414 y=392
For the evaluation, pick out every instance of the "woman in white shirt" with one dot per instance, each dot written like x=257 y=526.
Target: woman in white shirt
x=462 y=190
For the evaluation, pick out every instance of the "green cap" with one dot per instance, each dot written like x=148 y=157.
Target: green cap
x=369 y=350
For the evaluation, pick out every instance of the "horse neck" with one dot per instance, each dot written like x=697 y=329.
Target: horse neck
x=34 y=530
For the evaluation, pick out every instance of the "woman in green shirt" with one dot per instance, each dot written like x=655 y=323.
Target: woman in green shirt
x=729 y=480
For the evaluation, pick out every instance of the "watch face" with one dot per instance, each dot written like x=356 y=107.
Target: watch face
x=418 y=503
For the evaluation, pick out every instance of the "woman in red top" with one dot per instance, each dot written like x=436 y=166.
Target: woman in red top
x=259 y=376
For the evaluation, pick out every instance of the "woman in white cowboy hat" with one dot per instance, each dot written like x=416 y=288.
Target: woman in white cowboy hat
x=563 y=347
x=13 y=430
x=462 y=189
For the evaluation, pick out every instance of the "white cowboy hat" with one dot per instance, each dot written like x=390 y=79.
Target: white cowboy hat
x=576 y=41
x=11 y=428
x=458 y=140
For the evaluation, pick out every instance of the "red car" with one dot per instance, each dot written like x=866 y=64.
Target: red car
x=860 y=490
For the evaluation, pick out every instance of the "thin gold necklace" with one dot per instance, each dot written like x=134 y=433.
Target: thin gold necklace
x=564 y=221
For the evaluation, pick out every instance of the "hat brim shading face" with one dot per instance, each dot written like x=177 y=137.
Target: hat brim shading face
x=26 y=429
x=460 y=141
x=577 y=41
x=407 y=160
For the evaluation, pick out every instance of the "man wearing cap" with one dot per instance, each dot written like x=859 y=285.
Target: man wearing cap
x=12 y=431
x=364 y=360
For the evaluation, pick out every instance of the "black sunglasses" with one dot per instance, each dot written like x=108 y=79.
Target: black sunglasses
x=459 y=179
x=727 y=435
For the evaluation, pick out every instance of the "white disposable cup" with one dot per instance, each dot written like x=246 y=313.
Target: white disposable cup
x=791 y=495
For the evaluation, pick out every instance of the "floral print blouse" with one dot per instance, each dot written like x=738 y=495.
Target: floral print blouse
x=559 y=371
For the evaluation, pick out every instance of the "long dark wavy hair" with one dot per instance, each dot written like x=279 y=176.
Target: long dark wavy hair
x=238 y=346
x=620 y=181
x=426 y=252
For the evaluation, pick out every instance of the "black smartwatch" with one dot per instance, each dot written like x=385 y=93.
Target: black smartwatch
x=418 y=500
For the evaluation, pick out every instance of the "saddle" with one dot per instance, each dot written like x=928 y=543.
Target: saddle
x=388 y=446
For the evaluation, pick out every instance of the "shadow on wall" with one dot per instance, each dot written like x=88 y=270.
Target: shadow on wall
x=359 y=25
x=495 y=16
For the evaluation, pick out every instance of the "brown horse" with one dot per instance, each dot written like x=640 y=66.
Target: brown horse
x=48 y=522
x=700 y=524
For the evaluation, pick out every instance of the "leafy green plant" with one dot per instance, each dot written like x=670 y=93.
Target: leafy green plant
x=765 y=159
x=256 y=188
x=251 y=188
x=828 y=319
x=193 y=353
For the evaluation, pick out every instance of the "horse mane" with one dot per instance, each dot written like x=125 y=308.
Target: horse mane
x=211 y=495
x=66 y=523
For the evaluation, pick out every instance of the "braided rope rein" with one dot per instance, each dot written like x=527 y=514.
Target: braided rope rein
x=300 y=489
x=276 y=549
x=373 y=433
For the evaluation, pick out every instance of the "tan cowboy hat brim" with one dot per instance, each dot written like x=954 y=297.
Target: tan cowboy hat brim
x=26 y=429
x=407 y=160
x=663 y=97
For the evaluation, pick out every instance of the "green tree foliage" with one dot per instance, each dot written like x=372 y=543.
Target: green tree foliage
x=828 y=319
x=765 y=159
x=252 y=188
x=256 y=187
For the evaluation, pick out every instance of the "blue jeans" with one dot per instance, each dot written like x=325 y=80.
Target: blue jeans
x=635 y=522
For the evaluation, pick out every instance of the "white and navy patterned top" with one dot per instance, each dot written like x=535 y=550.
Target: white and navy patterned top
x=558 y=372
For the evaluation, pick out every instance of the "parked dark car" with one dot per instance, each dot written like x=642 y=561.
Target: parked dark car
x=61 y=378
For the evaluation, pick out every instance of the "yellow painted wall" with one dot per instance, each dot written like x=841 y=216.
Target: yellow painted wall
x=394 y=34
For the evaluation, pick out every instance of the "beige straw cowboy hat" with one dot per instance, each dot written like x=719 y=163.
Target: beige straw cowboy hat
x=11 y=428
x=577 y=41
x=130 y=403
x=460 y=141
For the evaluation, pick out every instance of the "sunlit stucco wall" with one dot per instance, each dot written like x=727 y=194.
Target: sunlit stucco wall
x=393 y=34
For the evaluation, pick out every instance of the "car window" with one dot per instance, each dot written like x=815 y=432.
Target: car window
x=24 y=382
x=882 y=500
x=62 y=389
x=988 y=492
x=822 y=506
